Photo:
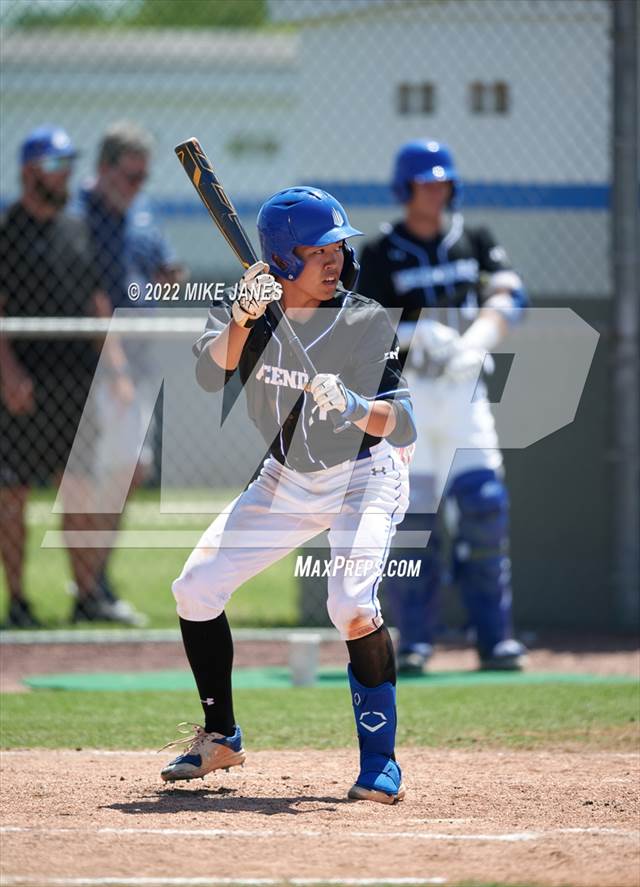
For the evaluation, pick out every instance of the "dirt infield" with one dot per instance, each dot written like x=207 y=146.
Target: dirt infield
x=533 y=817
x=564 y=817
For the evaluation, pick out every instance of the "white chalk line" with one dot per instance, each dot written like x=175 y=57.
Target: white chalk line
x=508 y=837
x=22 y=881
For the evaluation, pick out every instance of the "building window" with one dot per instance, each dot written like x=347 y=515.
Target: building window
x=476 y=97
x=489 y=98
x=428 y=98
x=501 y=97
x=416 y=98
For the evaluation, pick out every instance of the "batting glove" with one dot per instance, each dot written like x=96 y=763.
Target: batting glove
x=471 y=350
x=464 y=365
x=330 y=394
x=435 y=340
x=255 y=291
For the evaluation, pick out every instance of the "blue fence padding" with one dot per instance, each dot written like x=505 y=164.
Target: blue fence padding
x=476 y=196
x=485 y=195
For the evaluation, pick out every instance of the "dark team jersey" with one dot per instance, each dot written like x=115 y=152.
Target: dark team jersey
x=452 y=270
x=46 y=271
x=350 y=336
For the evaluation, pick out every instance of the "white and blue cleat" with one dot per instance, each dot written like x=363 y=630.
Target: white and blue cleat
x=507 y=655
x=379 y=780
x=205 y=752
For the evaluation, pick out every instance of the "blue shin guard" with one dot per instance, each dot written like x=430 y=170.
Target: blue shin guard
x=481 y=556
x=413 y=600
x=380 y=777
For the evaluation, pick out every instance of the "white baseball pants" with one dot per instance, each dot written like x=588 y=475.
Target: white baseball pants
x=456 y=434
x=360 y=503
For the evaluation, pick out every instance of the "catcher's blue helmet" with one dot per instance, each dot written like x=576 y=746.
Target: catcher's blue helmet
x=303 y=216
x=425 y=161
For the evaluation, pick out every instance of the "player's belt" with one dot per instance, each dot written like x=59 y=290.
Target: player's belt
x=363 y=454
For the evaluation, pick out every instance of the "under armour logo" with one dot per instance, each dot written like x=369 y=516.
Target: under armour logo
x=208 y=701
x=375 y=720
x=382 y=470
x=337 y=218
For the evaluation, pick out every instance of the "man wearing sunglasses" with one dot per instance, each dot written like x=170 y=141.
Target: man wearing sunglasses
x=128 y=249
x=46 y=270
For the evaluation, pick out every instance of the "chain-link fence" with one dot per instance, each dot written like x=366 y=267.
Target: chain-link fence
x=281 y=92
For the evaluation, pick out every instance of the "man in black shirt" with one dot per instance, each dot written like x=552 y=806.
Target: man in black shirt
x=353 y=483
x=458 y=295
x=45 y=271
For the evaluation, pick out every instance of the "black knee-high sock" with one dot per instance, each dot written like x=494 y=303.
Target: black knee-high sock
x=209 y=649
x=372 y=658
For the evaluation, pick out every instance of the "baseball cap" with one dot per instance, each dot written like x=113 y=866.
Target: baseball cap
x=47 y=142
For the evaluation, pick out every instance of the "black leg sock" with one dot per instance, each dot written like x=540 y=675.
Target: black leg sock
x=372 y=658
x=209 y=649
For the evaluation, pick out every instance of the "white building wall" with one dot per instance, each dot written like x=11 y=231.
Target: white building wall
x=556 y=66
x=325 y=97
x=175 y=84
x=555 y=57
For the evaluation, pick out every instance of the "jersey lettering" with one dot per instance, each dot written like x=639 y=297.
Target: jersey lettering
x=272 y=375
x=448 y=274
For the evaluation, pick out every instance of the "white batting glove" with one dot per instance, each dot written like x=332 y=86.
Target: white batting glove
x=471 y=350
x=256 y=289
x=328 y=392
x=437 y=339
x=464 y=365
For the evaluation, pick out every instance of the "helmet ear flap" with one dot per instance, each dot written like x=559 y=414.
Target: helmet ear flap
x=350 y=269
x=401 y=191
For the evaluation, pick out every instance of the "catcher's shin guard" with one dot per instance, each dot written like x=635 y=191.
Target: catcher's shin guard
x=413 y=600
x=380 y=777
x=481 y=555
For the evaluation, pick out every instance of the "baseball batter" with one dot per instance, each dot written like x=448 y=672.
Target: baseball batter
x=458 y=295
x=353 y=483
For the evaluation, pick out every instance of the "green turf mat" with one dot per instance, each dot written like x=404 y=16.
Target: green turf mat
x=274 y=677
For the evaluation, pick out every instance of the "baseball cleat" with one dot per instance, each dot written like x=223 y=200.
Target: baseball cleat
x=414 y=660
x=120 y=611
x=508 y=655
x=359 y=793
x=20 y=615
x=380 y=780
x=104 y=606
x=205 y=752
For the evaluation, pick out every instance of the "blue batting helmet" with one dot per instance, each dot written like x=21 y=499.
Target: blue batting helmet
x=47 y=142
x=425 y=161
x=303 y=216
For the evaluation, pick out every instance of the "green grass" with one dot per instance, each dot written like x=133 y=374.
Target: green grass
x=596 y=716
x=144 y=576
